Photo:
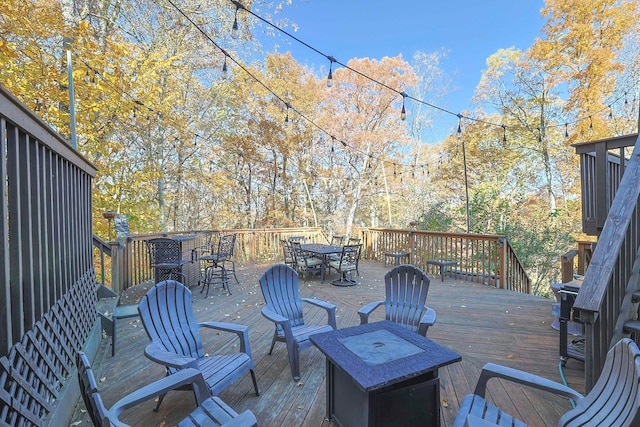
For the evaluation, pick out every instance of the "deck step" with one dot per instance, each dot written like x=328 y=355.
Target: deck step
x=631 y=326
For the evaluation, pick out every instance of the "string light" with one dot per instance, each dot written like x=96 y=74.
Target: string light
x=566 y=130
x=225 y=69
x=590 y=124
x=331 y=59
x=459 y=131
x=235 y=34
x=330 y=76
x=286 y=119
x=403 y=113
x=504 y=133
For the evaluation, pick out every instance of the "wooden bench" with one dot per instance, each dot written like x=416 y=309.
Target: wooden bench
x=442 y=263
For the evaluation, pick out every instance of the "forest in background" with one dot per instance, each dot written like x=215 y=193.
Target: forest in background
x=194 y=128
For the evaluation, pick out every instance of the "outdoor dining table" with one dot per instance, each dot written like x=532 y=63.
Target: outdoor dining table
x=324 y=251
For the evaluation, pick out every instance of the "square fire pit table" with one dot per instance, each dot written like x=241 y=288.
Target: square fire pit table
x=382 y=374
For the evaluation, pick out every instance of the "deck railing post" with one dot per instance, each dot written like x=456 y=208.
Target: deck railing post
x=502 y=259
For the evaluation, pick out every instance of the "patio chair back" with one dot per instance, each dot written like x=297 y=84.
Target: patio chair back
x=286 y=252
x=167 y=315
x=406 y=288
x=166 y=259
x=337 y=240
x=89 y=391
x=279 y=287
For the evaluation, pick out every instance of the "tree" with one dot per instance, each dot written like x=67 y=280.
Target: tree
x=581 y=49
x=364 y=118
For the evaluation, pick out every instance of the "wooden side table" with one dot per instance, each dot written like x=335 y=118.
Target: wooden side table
x=442 y=263
x=397 y=256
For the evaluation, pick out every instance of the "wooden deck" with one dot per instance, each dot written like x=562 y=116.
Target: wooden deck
x=481 y=323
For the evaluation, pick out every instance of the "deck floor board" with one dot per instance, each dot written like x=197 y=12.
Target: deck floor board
x=481 y=323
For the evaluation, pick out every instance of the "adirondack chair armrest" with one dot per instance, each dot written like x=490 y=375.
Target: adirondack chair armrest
x=162 y=386
x=159 y=355
x=473 y=421
x=491 y=370
x=330 y=308
x=242 y=331
x=274 y=317
x=284 y=323
x=429 y=319
x=243 y=420
x=367 y=309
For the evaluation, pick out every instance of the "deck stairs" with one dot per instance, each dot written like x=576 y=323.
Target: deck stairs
x=628 y=323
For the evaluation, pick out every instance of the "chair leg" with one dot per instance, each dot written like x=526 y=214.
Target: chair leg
x=160 y=398
x=273 y=341
x=113 y=336
x=255 y=382
x=294 y=361
x=233 y=269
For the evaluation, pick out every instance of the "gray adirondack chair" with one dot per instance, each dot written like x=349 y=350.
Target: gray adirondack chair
x=167 y=315
x=279 y=286
x=613 y=401
x=406 y=288
x=211 y=411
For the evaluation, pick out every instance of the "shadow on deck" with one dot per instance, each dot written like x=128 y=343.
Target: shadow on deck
x=481 y=323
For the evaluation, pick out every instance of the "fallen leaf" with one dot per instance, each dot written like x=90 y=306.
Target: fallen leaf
x=300 y=407
x=509 y=356
x=300 y=384
x=103 y=379
x=445 y=404
x=76 y=423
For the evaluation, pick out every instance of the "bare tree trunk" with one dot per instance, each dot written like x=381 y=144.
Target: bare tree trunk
x=313 y=209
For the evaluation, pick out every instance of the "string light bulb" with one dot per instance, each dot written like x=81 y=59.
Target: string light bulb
x=330 y=76
x=504 y=133
x=403 y=113
x=590 y=124
x=459 y=131
x=235 y=33
x=225 y=69
x=286 y=119
x=566 y=130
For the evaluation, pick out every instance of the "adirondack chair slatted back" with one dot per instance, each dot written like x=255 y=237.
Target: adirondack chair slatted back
x=167 y=314
x=406 y=289
x=279 y=286
x=615 y=398
x=89 y=391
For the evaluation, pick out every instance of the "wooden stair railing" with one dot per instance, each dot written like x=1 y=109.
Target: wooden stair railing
x=603 y=292
x=628 y=323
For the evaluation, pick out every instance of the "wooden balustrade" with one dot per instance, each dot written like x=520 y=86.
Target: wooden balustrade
x=47 y=282
x=488 y=259
x=130 y=263
x=612 y=192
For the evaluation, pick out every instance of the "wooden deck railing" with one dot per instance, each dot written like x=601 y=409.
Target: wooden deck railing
x=481 y=258
x=130 y=263
x=600 y=298
x=47 y=282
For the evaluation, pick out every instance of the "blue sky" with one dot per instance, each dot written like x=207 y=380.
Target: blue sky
x=469 y=30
